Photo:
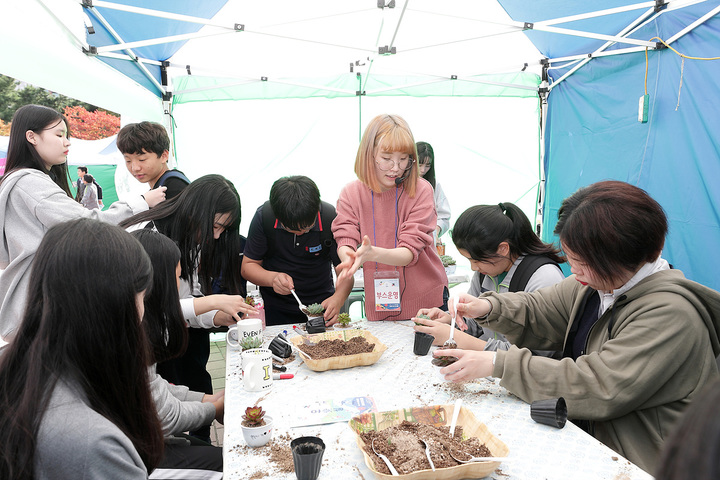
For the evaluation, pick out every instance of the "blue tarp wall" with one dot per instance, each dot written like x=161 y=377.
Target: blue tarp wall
x=593 y=132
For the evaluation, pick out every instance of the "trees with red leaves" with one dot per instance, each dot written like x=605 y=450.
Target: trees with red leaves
x=91 y=125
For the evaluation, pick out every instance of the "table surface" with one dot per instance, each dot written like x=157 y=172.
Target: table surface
x=400 y=379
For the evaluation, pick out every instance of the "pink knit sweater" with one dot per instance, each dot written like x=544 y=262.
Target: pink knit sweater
x=423 y=279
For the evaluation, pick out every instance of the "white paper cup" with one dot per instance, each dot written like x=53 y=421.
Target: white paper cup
x=257 y=369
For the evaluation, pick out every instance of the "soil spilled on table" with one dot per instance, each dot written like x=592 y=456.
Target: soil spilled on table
x=402 y=445
x=337 y=348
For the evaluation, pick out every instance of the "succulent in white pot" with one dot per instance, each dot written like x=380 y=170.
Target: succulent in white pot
x=256 y=426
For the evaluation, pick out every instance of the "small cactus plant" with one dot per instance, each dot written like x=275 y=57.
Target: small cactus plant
x=315 y=310
x=447 y=260
x=253 y=416
x=344 y=319
x=251 y=342
x=422 y=315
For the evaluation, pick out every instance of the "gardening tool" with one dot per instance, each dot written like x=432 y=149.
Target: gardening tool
x=478 y=459
x=303 y=308
x=427 y=454
x=384 y=459
x=450 y=343
x=293 y=346
x=456 y=412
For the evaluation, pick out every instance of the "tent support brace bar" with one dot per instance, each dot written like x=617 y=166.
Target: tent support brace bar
x=130 y=53
x=245 y=82
x=648 y=13
x=158 y=41
x=599 y=13
x=80 y=42
x=694 y=25
x=597 y=36
x=156 y=13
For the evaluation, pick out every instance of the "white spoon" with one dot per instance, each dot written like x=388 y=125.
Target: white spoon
x=456 y=412
x=303 y=308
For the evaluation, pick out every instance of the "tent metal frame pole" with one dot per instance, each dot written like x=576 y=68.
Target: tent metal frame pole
x=125 y=57
x=596 y=36
x=161 y=40
x=607 y=53
x=249 y=81
x=694 y=25
x=156 y=13
x=595 y=14
x=625 y=31
x=80 y=42
x=130 y=53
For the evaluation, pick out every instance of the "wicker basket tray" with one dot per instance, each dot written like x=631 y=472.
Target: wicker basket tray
x=346 y=361
x=435 y=415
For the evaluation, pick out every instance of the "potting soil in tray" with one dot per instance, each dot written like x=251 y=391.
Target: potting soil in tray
x=337 y=347
x=401 y=444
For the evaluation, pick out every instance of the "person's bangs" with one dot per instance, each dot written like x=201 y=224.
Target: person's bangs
x=397 y=140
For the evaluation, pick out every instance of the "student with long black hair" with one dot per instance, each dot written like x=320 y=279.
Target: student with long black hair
x=179 y=408
x=426 y=169
x=34 y=196
x=74 y=395
x=204 y=221
x=507 y=256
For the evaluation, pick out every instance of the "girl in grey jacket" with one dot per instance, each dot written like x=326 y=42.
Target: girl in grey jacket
x=34 y=196
x=74 y=395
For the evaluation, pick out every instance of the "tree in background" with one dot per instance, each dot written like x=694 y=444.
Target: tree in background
x=87 y=122
x=91 y=125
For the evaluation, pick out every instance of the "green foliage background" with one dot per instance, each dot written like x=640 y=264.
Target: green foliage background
x=12 y=98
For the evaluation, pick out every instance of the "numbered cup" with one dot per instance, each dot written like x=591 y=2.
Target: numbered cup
x=257 y=369
x=246 y=334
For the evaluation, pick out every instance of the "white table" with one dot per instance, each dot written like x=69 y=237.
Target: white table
x=401 y=379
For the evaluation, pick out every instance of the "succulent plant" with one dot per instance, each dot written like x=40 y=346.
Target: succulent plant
x=344 y=319
x=253 y=416
x=315 y=310
x=250 y=301
x=251 y=342
x=422 y=315
x=447 y=260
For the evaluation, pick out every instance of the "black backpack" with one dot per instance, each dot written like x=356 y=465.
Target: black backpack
x=527 y=267
x=171 y=174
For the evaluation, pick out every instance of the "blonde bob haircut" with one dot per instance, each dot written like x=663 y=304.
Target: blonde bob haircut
x=386 y=133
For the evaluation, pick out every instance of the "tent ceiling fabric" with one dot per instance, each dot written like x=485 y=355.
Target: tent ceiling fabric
x=287 y=39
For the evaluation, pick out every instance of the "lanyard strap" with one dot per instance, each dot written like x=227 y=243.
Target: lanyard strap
x=372 y=194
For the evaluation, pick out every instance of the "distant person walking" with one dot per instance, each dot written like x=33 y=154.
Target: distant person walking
x=90 y=195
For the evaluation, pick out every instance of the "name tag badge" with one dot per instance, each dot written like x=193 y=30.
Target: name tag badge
x=315 y=249
x=387 y=291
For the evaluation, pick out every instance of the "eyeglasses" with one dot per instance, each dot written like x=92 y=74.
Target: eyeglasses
x=387 y=164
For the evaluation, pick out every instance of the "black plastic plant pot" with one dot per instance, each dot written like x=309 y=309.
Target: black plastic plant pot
x=552 y=411
x=423 y=341
x=307 y=455
x=315 y=325
x=280 y=346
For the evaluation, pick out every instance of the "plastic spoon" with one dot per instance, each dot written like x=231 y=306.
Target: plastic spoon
x=303 y=308
x=450 y=343
x=478 y=459
x=427 y=454
x=385 y=459
x=456 y=412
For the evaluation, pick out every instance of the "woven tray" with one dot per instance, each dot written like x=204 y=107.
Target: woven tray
x=346 y=361
x=434 y=415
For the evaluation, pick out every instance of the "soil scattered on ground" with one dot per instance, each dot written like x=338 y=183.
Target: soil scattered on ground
x=337 y=348
x=402 y=445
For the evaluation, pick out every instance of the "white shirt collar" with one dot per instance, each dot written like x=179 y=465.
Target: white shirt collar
x=608 y=298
